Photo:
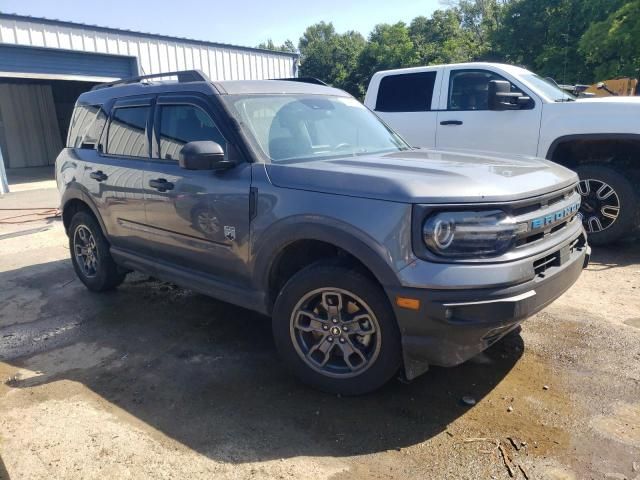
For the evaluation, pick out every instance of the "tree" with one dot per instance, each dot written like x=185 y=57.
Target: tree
x=441 y=39
x=612 y=47
x=330 y=56
x=389 y=46
x=287 y=46
x=543 y=35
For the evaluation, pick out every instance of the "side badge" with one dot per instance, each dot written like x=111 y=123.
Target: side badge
x=229 y=233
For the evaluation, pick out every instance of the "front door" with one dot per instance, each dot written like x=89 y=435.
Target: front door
x=466 y=123
x=197 y=220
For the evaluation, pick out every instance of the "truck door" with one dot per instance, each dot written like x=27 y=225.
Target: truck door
x=465 y=122
x=406 y=102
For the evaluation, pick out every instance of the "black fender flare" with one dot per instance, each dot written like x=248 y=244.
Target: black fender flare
x=74 y=192
x=344 y=236
x=589 y=136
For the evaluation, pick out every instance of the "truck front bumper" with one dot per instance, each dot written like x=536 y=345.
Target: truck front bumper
x=452 y=325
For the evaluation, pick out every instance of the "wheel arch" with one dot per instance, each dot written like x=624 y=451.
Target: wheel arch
x=621 y=150
x=322 y=241
x=74 y=200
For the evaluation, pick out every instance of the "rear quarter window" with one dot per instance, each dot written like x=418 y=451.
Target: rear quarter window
x=408 y=92
x=127 y=132
x=86 y=127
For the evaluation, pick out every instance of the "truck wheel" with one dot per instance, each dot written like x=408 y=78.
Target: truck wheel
x=335 y=329
x=609 y=203
x=90 y=254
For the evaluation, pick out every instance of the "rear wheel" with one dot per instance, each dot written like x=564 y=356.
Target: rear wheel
x=335 y=329
x=90 y=254
x=609 y=203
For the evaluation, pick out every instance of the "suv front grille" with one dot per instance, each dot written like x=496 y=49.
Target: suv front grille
x=546 y=215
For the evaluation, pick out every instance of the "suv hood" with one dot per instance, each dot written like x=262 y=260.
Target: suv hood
x=426 y=176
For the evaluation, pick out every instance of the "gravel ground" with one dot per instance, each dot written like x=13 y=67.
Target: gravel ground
x=153 y=381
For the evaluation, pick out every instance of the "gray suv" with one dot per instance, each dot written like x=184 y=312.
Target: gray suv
x=294 y=200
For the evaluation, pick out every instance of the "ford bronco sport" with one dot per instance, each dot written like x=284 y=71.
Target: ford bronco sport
x=294 y=200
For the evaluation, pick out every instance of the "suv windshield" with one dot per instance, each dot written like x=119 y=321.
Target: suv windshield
x=548 y=88
x=302 y=127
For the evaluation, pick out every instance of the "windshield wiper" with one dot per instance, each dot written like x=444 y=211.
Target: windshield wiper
x=567 y=99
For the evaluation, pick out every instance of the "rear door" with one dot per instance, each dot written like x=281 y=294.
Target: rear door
x=197 y=220
x=114 y=177
x=466 y=123
x=406 y=102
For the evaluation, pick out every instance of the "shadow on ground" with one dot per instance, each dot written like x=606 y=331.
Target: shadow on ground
x=4 y=475
x=206 y=373
x=620 y=254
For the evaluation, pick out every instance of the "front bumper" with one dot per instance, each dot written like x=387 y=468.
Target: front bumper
x=453 y=325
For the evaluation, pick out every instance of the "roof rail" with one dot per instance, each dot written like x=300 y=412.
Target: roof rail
x=183 y=77
x=313 y=80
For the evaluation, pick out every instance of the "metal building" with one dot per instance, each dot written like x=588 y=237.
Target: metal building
x=45 y=64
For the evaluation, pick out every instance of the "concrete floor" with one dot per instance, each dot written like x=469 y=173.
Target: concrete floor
x=152 y=381
x=34 y=178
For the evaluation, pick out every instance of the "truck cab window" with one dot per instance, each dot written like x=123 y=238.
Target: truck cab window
x=469 y=89
x=409 y=92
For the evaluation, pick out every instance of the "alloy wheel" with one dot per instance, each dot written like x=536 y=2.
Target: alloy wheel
x=335 y=332
x=85 y=251
x=600 y=206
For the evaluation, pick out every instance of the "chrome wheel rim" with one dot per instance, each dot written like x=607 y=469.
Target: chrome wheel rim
x=85 y=251
x=335 y=332
x=600 y=206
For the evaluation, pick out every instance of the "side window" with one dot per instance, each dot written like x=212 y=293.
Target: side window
x=469 y=89
x=86 y=126
x=409 y=92
x=181 y=124
x=126 y=135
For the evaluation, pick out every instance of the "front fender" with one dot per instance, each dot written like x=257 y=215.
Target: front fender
x=328 y=230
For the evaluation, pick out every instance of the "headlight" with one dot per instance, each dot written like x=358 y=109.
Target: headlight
x=469 y=234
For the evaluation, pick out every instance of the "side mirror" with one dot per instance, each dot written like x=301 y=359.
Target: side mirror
x=204 y=155
x=502 y=98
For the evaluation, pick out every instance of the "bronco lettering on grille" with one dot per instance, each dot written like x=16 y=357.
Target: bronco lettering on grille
x=555 y=217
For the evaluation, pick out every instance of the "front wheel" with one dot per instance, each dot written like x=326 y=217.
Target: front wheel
x=334 y=327
x=609 y=203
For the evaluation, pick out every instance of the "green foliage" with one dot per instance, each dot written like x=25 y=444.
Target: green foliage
x=612 y=47
x=287 y=46
x=543 y=35
x=573 y=41
x=389 y=46
x=330 y=56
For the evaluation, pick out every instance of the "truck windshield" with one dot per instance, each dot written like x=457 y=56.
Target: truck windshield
x=548 y=88
x=289 y=128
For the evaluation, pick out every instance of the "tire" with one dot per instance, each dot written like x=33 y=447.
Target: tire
x=367 y=319
x=100 y=273
x=621 y=198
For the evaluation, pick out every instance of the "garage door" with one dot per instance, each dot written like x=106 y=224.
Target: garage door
x=53 y=63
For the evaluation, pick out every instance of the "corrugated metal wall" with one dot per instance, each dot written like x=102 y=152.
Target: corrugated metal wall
x=155 y=53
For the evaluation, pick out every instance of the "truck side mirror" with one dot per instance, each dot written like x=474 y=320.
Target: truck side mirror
x=502 y=98
x=204 y=155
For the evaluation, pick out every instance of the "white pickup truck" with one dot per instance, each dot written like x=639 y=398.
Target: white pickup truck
x=509 y=110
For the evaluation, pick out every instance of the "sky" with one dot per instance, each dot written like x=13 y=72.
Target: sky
x=236 y=22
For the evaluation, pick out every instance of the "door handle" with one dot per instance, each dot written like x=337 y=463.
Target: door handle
x=161 y=184
x=451 y=122
x=99 y=176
